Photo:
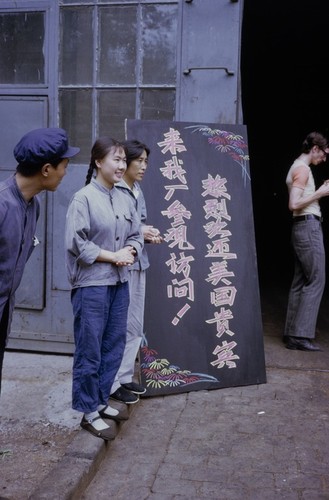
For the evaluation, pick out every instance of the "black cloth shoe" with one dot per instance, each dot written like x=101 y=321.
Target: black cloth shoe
x=106 y=434
x=301 y=344
x=124 y=396
x=135 y=388
x=116 y=418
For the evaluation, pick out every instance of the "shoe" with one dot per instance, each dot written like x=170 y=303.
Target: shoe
x=117 y=418
x=301 y=344
x=135 y=388
x=106 y=434
x=124 y=396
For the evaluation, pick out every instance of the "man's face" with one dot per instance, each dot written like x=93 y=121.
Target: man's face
x=55 y=175
x=319 y=156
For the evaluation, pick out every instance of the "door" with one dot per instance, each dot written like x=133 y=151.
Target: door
x=22 y=114
x=209 y=72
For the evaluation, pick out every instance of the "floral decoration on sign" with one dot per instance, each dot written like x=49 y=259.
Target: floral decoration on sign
x=227 y=142
x=160 y=373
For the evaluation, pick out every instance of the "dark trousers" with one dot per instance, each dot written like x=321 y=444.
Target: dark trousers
x=100 y=325
x=309 y=279
x=3 y=336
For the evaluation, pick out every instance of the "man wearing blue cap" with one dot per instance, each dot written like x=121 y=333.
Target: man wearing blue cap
x=42 y=155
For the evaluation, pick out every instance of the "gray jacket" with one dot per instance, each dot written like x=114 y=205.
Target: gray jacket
x=18 y=220
x=99 y=218
x=143 y=262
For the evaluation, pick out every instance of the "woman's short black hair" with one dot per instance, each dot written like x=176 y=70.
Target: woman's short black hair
x=134 y=149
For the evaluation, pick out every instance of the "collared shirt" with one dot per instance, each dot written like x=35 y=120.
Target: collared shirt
x=99 y=218
x=137 y=195
x=18 y=220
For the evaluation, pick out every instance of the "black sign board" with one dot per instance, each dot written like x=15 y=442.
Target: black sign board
x=203 y=327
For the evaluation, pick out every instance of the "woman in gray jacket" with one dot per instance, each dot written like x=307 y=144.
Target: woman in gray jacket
x=102 y=238
x=124 y=388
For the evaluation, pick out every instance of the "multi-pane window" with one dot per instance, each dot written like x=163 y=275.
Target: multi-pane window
x=117 y=61
x=22 y=48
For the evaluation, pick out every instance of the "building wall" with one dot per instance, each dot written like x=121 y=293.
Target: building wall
x=87 y=66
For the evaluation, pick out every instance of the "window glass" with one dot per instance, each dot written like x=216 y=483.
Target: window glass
x=117 y=61
x=159 y=39
x=117 y=45
x=22 y=48
x=158 y=104
x=76 y=55
x=114 y=107
x=75 y=109
x=63 y=2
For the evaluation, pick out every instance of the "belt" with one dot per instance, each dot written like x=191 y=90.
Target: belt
x=301 y=218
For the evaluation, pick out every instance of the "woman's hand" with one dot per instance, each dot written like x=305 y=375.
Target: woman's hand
x=125 y=256
x=151 y=234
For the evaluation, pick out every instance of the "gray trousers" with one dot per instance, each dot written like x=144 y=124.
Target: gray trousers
x=309 y=279
x=135 y=326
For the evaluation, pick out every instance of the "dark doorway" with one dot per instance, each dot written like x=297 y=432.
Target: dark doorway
x=285 y=95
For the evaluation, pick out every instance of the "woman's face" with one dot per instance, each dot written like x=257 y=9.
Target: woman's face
x=136 y=169
x=111 y=168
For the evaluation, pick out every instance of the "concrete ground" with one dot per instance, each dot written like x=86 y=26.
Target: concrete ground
x=254 y=442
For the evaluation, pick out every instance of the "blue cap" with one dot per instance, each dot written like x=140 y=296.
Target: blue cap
x=44 y=145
